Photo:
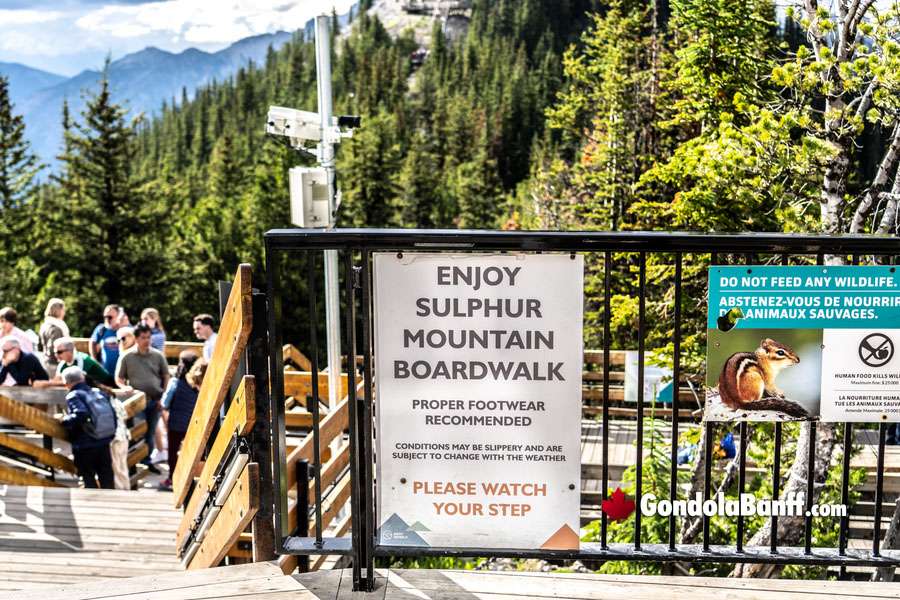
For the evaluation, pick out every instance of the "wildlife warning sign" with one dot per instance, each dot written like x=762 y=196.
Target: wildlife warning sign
x=803 y=343
x=478 y=399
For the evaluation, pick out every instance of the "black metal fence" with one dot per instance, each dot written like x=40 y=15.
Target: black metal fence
x=355 y=248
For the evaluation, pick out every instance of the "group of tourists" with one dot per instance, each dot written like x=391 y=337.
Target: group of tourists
x=122 y=358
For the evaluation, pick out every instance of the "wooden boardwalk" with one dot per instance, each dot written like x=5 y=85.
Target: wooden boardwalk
x=264 y=580
x=52 y=536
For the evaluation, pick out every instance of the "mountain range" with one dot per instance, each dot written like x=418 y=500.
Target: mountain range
x=141 y=82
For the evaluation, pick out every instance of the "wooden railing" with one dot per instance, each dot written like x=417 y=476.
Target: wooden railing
x=222 y=495
x=333 y=473
x=43 y=460
x=592 y=390
x=171 y=350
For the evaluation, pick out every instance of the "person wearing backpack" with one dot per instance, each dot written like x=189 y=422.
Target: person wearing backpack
x=91 y=423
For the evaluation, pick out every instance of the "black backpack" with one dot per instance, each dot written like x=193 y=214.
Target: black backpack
x=101 y=423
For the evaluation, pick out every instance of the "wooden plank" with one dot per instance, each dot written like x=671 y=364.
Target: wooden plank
x=298 y=420
x=138 y=431
x=332 y=469
x=332 y=504
x=329 y=428
x=139 y=473
x=50 y=395
x=230 y=344
x=237 y=552
x=299 y=384
x=135 y=404
x=47 y=457
x=30 y=417
x=659 y=413
x=171 y=350
x=179 y=585
x=617 y=393
x=136 y=454
x=291 y=354
x=595 y=357
x=174 y=349
x=240 y=417
x=594 y=376
x=237 y=512
x=441 y=585
x=340 y=530
x=13 y=476
x=597 y=377
x=329 y=474
x=266 y=580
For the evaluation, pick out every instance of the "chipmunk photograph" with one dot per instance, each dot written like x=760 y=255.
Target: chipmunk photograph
x=763 y=375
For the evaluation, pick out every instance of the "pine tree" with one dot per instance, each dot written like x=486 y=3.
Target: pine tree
x=18 y=165
x=369 y=174
x=107 y=229
x=18 y=190
x=480 y=192
x=420 y=192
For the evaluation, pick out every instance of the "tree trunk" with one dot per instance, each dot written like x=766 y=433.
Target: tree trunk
x=891 y=542
x=791 y=529
x=835 y=186
x=698 y=475
x=690 y=529
x=874 y=193
x=889 y=217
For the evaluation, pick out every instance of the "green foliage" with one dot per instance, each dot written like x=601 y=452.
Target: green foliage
x=104 y=232
x=442 y=146
x=18 y=195
x=657 y=467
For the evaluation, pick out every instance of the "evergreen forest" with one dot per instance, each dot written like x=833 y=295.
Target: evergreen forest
x=717 y=115
x=693 y=115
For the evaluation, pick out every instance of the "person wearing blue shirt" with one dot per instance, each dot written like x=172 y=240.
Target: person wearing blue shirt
x=91 y=456
x=104 y=345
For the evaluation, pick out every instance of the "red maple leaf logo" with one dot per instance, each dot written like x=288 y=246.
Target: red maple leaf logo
x=617 y=508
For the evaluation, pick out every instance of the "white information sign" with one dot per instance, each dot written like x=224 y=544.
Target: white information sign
x=478 y=399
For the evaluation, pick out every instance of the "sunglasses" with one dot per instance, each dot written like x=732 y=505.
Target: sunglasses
x=5 y=350
x=58 y=352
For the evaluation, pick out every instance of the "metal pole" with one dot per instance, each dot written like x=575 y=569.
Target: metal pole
x=326 y=158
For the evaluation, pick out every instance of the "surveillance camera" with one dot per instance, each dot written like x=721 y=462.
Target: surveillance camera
x=295 y=124
x=348 y=121
x=300 y=126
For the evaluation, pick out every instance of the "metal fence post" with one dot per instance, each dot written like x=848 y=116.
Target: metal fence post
x=261 y=436
x=302 y=509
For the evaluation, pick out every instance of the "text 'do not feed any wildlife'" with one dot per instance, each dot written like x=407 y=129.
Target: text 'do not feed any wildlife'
x=802 y=343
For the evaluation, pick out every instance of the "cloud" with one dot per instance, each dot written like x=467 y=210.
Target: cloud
x=198 y=21
x=40 y=33
x=27 y=17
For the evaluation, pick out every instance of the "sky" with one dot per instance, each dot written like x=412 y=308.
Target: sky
x=68 y=36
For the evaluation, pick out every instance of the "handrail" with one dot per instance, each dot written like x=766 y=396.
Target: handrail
x=170 y=349
x=229 y=489
x=230 y=344
x=41 y=422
